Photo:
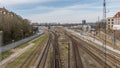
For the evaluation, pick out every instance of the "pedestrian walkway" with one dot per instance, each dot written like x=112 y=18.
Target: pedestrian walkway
x=18 y=53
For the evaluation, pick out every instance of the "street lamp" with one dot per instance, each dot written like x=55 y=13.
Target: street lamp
x=13 y=41
x=1 y=38
x=113 y=38
x=22 y=33
x=0 y=43
x=94 y=34
x=98 y=26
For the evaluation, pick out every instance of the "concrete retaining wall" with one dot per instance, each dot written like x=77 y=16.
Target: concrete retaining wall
x=15 y=44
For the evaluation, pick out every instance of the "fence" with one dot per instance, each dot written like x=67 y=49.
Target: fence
x=15 y=44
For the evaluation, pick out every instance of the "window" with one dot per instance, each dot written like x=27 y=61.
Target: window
x=112 y=23
x=112 y=19
x=108 y=22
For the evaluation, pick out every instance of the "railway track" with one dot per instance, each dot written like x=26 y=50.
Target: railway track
x=108 y=41
x=42 y=61
x=90 y=49
x=110 y=52
x=77 y=56
x=31 y=58
x=38 y=58
x=57 y=60
x=97 y=53
x=69 y=55
x=110 y=57
x=100 y=61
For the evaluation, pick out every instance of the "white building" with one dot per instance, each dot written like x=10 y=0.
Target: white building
x=113 y=21
x=86 y=28
x=110 y=22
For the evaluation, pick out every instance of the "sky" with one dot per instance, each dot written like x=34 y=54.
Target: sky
x=61 y=11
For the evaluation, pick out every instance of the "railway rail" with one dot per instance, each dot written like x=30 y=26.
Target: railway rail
x=92 y=51
x=112 y=58
x=41 y=56
x=57 y=60
x=42 y=61
x=78 y=51
x=77 y=56
x=31 y=58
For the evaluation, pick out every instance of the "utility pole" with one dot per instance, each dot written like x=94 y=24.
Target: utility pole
x=114 y=38
x=104 y=9
x=98 y=25
x=104 y=21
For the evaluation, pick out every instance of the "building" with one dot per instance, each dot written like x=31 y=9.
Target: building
x=110 y=22
x=86 y=28
x=3 y=10
x=115 y=20
x=117 y=14
x=83 y=22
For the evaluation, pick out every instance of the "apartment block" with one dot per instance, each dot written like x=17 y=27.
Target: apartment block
x=115 y=20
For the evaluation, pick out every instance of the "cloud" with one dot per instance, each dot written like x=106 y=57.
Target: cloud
x=16 y=2
x=71 y=18
x=75 y=13
x=65 y=14
x=68 y=14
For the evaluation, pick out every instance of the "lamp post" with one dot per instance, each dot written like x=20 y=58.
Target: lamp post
x=98 y=26
x=94 y=35
x=1 y=38
x=114 y=39
x=13 y=41
x=22 y=33
x=0 y=43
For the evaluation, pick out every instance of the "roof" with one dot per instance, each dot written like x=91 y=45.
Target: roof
x=117 y=14
x=3 y=9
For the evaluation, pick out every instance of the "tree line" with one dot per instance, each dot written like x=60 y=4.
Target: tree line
x=14 y=27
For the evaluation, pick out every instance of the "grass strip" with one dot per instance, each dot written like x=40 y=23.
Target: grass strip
x=6 y=54
x=21 y=58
